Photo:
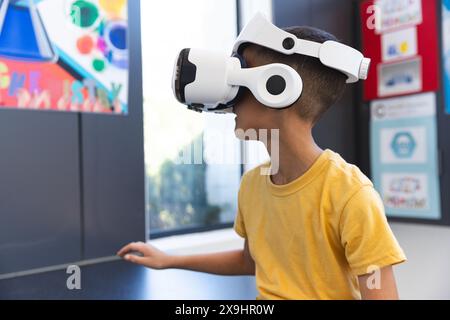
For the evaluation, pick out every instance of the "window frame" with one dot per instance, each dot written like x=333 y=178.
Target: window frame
x=151 y=235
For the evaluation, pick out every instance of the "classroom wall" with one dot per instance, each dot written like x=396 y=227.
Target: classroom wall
x=72 y=185
x=426 y=273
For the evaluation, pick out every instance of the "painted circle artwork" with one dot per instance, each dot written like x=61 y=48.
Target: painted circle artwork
x=105 y=33
x=112 y=7
x=84 y=13
x=98 y=65
x=85 y=44
x=117 y=36
x=116 y=43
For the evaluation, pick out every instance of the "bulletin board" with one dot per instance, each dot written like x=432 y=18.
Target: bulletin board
x=402 y=94
x=64 y=55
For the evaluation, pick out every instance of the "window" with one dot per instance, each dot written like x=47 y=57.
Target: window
x=184 y=196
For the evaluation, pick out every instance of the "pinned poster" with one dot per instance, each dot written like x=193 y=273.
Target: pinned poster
x=64 y=55
x=399 y=44
x=395 y=14
x=446 y=51
x=400 y=77
x=404 y=155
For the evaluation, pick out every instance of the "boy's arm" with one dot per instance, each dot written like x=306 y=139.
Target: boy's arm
x=378 y=286
x=369 y=243
x=236 y=262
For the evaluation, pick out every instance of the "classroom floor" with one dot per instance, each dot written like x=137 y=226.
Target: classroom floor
x=122 y=280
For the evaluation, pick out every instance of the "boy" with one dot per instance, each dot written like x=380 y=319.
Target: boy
x=316 y=228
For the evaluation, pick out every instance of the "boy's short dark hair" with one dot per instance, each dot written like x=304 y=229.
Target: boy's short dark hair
x=322 y=86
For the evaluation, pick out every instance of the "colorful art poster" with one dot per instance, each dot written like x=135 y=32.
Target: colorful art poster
x=446 y=51
x=64 y=55
x=404 y=155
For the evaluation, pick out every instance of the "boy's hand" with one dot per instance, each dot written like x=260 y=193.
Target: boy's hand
x=235 y=262
x=150 y=256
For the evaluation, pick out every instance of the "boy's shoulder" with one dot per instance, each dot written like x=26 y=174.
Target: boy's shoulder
x=347 y=186
x=346 y=172
x=335 y=176
x=334 y=167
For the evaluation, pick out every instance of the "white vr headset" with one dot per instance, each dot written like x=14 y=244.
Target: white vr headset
x=214 y=82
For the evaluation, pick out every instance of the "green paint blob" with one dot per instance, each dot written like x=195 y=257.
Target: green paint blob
x=84 y=13
x=98 y=65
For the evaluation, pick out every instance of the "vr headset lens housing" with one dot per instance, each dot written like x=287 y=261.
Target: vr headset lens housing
x=201 y=80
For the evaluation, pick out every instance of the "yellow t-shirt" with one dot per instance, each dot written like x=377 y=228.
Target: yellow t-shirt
x=312 y=237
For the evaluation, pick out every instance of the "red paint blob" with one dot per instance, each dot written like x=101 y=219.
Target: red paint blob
x=85 y=44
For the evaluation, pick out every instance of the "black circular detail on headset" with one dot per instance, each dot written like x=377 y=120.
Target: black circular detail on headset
x=288 y=43
x=276 y=85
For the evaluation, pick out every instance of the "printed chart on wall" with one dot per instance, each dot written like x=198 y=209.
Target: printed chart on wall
x=404 y=156
x=64 y=55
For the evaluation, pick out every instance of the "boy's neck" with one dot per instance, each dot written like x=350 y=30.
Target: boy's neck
x=297 y=152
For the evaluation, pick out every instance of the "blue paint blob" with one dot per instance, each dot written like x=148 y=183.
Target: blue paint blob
x=118 y=37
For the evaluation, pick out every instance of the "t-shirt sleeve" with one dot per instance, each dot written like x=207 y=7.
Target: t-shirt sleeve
x=239 y=225
x=365 y=233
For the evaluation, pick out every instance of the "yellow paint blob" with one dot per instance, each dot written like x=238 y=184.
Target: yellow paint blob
x=113 y=7
x=404 y=47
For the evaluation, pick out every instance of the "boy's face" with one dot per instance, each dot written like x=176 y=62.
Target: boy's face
x=250 y=113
